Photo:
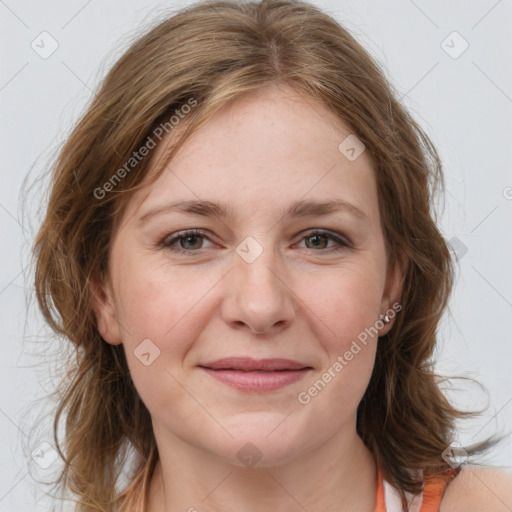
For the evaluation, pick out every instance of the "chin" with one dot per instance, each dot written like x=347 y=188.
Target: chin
x=262 y=440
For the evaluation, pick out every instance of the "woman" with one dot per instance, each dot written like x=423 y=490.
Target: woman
x=239 y=242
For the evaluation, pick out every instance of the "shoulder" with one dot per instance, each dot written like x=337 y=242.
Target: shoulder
x=478 y=488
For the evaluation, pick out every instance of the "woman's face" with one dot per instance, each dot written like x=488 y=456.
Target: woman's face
x=255 y=283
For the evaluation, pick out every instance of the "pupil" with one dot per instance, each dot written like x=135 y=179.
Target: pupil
x=188 y=238
x=318 y=239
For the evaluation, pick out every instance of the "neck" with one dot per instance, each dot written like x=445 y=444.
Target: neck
x=338 y=476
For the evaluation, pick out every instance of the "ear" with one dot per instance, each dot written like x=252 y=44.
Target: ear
x=105 y=310
x=390 y=302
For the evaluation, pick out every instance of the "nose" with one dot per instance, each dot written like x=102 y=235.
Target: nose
x=258 y=295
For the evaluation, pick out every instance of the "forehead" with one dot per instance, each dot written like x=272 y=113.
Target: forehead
x=263 y=151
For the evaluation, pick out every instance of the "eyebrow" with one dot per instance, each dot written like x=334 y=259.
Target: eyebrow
x=300 y=208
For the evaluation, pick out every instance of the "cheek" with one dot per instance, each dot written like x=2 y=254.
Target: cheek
x=162 y=313
x=348 y=308
x=347 y=302
x=158 y=302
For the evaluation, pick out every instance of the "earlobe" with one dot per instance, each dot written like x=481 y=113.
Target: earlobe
x=390 y=303
x=104 y=310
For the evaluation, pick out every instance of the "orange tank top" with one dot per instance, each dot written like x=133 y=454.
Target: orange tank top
x=388 y=499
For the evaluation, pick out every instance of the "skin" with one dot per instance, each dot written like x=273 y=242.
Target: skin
x=476 y=489
x=296 y=300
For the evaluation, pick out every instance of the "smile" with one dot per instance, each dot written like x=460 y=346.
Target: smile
x=250 y=375
x=257 y=381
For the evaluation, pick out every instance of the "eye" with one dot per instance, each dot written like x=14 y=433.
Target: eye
x=188 y=241
x=192 y=241
x=317 y=235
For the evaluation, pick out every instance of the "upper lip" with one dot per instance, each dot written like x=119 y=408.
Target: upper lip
x=249 y=364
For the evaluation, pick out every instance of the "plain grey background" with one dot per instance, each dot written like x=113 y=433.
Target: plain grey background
x=450 y=63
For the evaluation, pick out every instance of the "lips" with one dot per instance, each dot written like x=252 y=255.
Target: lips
x=256 y=376
x=248 y=364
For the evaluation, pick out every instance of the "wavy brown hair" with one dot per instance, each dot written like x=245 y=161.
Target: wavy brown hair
x=214 y=52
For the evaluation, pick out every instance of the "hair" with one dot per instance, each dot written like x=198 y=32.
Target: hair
x=212 y=53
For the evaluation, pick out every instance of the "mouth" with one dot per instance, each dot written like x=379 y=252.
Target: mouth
x=251 y=375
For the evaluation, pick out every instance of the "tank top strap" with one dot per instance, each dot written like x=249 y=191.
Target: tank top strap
x=435 y=487
x=388 y=497
x=380 y=503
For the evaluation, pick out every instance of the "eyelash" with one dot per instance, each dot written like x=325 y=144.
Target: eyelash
x=168 y=241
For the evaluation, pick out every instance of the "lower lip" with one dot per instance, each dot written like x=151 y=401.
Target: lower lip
x=257 y=381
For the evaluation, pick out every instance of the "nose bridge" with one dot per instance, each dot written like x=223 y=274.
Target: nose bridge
x=259 y=296
x=259 y=275
x=256 y=267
